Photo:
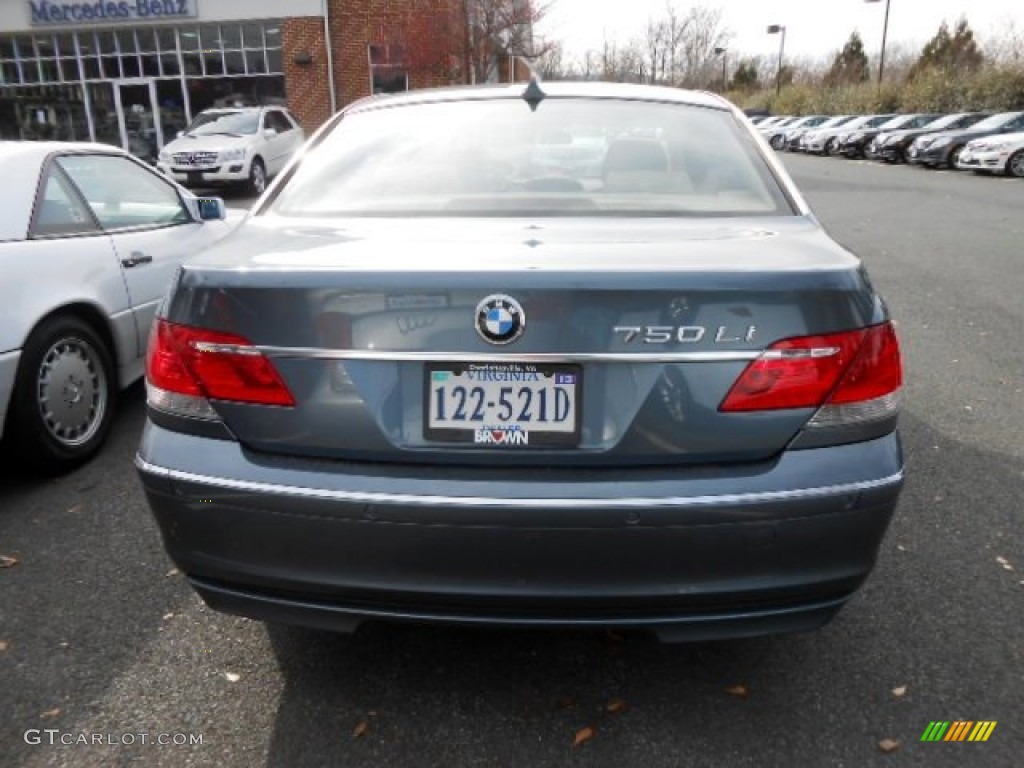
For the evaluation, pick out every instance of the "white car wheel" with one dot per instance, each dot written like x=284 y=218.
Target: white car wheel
x=63 y=398
x=257 y=177
x=1015 y=165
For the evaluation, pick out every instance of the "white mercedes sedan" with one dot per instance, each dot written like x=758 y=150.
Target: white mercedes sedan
x=994 y=154
x=90 y=239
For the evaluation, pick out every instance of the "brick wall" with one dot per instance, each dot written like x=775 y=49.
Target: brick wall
x=355 y=24
x=307 y=86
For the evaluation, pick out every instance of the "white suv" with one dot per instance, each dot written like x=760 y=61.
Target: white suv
x=233 y=145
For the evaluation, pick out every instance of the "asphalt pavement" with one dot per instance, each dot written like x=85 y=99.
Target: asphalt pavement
x=102 y=640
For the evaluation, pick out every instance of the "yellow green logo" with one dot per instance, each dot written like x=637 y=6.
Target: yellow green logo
x=958 y=730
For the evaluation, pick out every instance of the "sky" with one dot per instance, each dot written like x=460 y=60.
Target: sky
x=814 y=28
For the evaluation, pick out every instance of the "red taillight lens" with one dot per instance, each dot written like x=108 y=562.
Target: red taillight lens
x=876 y=371
x=806 y=372
x=220 y=366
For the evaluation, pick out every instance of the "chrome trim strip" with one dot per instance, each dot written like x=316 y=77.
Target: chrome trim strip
x=408 y=499
x=810 y=353
x=503 y=357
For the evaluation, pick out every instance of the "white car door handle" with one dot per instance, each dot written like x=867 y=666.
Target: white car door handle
x=137 y=257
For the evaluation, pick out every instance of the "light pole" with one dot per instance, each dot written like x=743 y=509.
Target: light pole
x=885 y=33
x=779 y=29
x=725 y=81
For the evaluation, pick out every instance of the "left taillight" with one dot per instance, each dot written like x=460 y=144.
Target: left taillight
x=186 y=367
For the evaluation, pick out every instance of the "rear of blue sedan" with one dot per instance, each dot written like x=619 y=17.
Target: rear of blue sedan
x=577 y=355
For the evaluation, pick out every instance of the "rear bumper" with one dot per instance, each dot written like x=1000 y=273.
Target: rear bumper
x=690 y=554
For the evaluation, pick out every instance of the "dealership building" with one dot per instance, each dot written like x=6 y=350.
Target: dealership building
x=135 y=72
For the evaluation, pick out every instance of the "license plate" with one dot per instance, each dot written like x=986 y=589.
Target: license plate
x=502 y=405
x=195 y=177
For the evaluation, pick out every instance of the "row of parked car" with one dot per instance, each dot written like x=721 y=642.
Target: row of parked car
x=982 y=142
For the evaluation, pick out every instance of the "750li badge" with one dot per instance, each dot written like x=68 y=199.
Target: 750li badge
x=684 y=334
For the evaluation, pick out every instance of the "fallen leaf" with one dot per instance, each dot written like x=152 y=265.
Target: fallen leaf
x=738 y=690
x=168 y=616
x=901 y=548
x=8 y=561
x=74 y=509
x=1005 y=563
x=372 y=713
x=50 y=712
x=899 y=691
x=888 y=745
x=64 y=644
x=583 y=735
x=361 y=730
x=4 y=645
x=172 y=572
x=614 y=706
x=232 y=677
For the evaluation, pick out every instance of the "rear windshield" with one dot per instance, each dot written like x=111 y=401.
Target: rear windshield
x=570 y=157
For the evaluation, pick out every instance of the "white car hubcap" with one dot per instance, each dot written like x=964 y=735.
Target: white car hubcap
x=71 y=391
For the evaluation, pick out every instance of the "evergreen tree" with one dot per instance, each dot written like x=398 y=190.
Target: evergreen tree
x=850 y=65
x=745 y=78
x=956 y=52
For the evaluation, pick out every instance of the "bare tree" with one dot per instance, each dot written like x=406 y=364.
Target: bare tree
x=679 y=48
x=655 y=50
x=703 y=32
x=676 y=48
x=1006 y=46
x=551 y=65
x=477 y=35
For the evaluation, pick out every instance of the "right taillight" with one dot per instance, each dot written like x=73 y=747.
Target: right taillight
x=186 y=367
x=849 y=377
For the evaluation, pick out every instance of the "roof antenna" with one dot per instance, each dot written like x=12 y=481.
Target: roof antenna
x=533 y=95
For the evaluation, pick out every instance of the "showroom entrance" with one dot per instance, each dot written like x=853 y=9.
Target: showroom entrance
x=138 y=117
x=134 y=87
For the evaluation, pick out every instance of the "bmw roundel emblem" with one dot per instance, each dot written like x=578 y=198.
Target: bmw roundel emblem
x=500 y=319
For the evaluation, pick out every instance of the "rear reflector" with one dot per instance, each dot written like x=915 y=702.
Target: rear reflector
x=853 y=368
x=197 y=363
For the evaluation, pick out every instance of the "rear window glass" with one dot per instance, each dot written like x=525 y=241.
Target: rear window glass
x=570 y=157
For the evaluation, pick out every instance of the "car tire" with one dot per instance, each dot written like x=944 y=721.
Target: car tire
x=777 y=142
x=1015 y=164
x=830 y=147
x=257 y=183
x=62 y=405
x=954 y=156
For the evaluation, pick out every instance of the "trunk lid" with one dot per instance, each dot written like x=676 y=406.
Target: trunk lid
x=652 y=320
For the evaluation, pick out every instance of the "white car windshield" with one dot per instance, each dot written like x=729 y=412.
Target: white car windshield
x=224 y=123
x=570 y=157
x=996 y=121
